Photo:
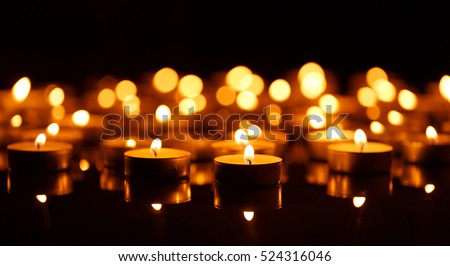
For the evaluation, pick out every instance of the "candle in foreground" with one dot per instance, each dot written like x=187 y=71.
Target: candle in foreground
x=157 y=164
x=360 y=156
x=39 y=156
x=431 y=148
x=248 y=169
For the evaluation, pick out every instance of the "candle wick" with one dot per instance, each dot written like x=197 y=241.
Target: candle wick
x=362 y=147
x=154 y=152
x=249 y=162
x=38 y=146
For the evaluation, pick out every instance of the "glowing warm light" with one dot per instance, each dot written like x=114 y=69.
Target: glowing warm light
x=429 y=188
x=241 y=137
x=58 y=112
x=308 y=68
x=366 y=97
x=444 y=87
x=431 y=133
x=332 y=132
x=56 y=97
x=21 y=89
x=190 y=86
x=132 y=103
x=162 y=113
x=125 y=88
x=225 y=95
x=247 y=100
x=200 y=102
x=359 y=201
x=157 y=206
x=40 y=140
x=385 y=90
x=84 y=165
x=106 y=98
x=249 y=215
x=80 y=118
x=373 y=112
x=165 y=80
x=329 y=104
x=360 y=138
x=316 y=117
x=42 y=198
x=375 y=74
x=53 y=129
x=187 y=106
x=155 y=147
x=376 y=127
x=407 y=100
x=257 y=85
x=131 y=143
x=239 y=78
x=279 y=90
x=249 y=154
x=253 y=131
x=16 y=121
x=313 y=85
x=395 y=118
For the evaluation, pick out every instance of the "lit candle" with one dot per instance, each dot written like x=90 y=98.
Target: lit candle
x=318 y=142
x=430 y=148
x=248 y=169
x=157 y=164
x=360 y=156
x=39 y=156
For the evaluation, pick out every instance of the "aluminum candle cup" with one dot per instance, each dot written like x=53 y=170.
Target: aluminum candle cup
x=360 y=157
x=318 y=142
x=29 y=157
x=260 y=170
x=429 y=148
x=157 y=164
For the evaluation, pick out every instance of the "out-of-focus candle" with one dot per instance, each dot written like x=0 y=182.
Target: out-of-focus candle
x=39 y=156
x=428 y=148
x=361 y=156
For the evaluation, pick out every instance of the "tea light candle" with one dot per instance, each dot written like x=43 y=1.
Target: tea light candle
x=248 y=169
x=361 y=156
x=318 y=143
x=430 y=148
x=39 y=156
x=156 y=163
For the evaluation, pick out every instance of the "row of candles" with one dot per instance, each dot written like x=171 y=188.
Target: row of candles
x=235 y=164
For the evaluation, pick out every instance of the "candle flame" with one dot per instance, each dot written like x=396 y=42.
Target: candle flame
x=42 y=198
x=431 y=133
x=360 y=138
x=429 y=188
x=156 y=145
x=162 y=113
x=376 y=127
x=106 y=98
x=248 y=215
x=444 y=87
x=157 y=206
x=56 y=97
x=16 y=121
x=40 y=140
x=84 y=165
x=53 y=129
x=241 y=137
x=131 y=143
x=21 y=89
x=407 y=100
x=81 y=118
x=249 y=154
x=359 y=201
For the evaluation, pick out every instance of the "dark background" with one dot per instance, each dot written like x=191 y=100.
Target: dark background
x=67 y=41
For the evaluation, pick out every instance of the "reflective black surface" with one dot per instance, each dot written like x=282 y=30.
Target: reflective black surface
x=312 y=207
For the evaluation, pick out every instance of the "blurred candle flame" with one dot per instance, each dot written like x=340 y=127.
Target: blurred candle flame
x=429 y=188
x=56 y=97
x=162 y=113
x=80 y=118
x=359 y=201
x=21 y=89
x=53 y=129
x=155 y=147
x=444 y=87
x=279 y=90
x=42 y=198
x=249 y=154
x=376 y=127
x=84 y=165
x=241 y=137
x=131 y=143
x=16 y=121
x=165 y=80
x=157 y=206
x=40 y=140
x=395 y=118
x=407 y=100
x=432 y=135
x=106 y=98
x=239 y=78
x=248 y=215
x=360 y=138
